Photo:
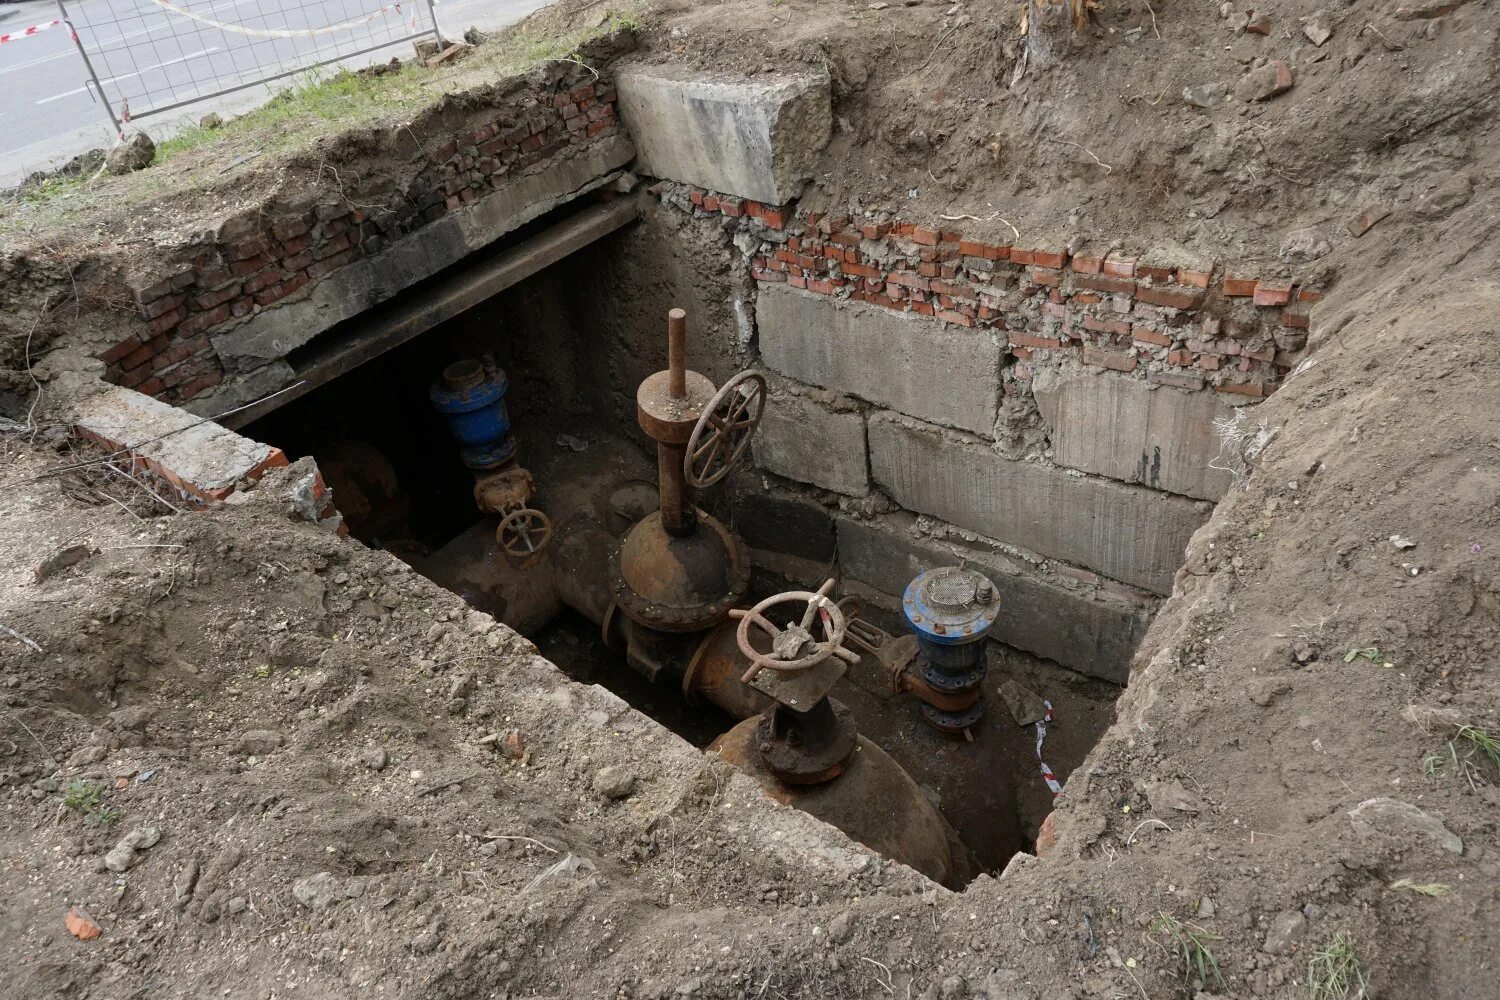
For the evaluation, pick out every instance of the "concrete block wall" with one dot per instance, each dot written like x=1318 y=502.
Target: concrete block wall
x=904 y=358
x=267 y=282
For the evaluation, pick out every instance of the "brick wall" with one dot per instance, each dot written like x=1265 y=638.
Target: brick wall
x=254 y=267
x=1186 y=323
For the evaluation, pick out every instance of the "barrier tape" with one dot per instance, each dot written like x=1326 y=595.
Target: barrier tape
x=1041 y=734
x=35 y=29
x=286 y=32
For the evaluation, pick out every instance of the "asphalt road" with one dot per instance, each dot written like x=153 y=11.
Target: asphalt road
x=147 y=56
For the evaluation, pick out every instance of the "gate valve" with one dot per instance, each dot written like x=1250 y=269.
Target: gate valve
x=733 y=414
x=790 y=653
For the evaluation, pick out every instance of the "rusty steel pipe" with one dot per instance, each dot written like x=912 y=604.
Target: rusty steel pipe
x=677 y=353
x=678 y=516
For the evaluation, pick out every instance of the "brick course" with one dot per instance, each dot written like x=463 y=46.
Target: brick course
x=172 y=358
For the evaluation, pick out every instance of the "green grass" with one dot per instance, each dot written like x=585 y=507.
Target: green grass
x=1196 y=963
x=87 y=797
x=1335 y=971
x=1463 y=754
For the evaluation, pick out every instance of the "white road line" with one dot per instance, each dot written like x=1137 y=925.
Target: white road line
x=72 y=51
x=126 y=76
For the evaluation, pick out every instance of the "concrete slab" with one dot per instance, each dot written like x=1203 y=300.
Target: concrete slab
x=195 y=455
x=1127 y=429
x=905 y=361
x=349 y=291
x=1128 y=533
x=1090 y=633
x=758 y=138
x=806 y=441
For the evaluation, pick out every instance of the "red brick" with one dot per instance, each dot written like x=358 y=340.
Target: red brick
x=1180 y=357
x=120 y=350
x=1295 y=320
x=773 y=217
x=1027 y=340
x=1114 y=286
x=1210 y=362
x=1173 y=297
x=1119 y=266
x=1194 y=278
x=763 y=275
x=200 y=384
x=1158 y=273
x=1255 y=389
x=248 y=249
x=249 y=265
x=950 y=316
x=154 y=309
x=1116 y=327
x=824 y=286
x=1108 y=359
x=1044 y=275
x=1087 y=263
x=1239 y=287
x=1146 y=335
x=909 y=280
x=874 y=231
x=166 y=321
x=199 y=322
x=1041 y=258
x=1023 y=353
x=1269 y=293
x=1308 y=295
x=152 y=386
x=295 y=245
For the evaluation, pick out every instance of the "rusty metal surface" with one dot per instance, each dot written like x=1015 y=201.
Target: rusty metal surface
x=806 y=748
x=667 y=418
x=504 y=492
x=713 y=675
x=678 y=515
x=874 y=801
x=679 y=583
x=733 y=414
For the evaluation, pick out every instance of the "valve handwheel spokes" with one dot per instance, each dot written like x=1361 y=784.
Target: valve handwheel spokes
x=789 y=645
x=524 y=532
x=723 y=432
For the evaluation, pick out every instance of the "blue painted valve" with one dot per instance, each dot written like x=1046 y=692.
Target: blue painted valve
x=473 y=400
x=951 y=610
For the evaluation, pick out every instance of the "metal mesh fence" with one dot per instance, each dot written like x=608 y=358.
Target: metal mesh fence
x=145 y=57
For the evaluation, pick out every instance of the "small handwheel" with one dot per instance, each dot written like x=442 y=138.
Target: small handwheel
x=787 y=644
x=733 y=414
x=524 y=532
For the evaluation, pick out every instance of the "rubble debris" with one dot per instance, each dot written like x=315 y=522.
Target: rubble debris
x=1403 y=821
x=1264 y=83
x=135 y=153
x=69 y=555
x=125 y=854
x=81 y=925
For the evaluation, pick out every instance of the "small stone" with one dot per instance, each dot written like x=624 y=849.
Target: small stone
x=186 y=881
x=1421 y=10
x=211 y=121
x=1366 y=219
x=513 y=744
x=1265 y=82
x=320 y=891
x=136 y=153
x=1286 y=930
x=1318 y=27
x=1206 y=95
x=124 y=855
x=614 y=782
x=840 y=927
x=260 y=742
x=376 y=759
x=1403 y=821
x=1206 y=908
x=953 y=988
x=1259 y=24
x=81 y=925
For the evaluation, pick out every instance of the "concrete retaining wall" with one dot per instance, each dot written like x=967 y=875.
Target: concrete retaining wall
x=1126 y=429
x=811 y=443
x=1125 y=532
x=908 y=363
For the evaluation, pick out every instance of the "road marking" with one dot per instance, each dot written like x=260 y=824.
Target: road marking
x=126 y=76
x=95 y=44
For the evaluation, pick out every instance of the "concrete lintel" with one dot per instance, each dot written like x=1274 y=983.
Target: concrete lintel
x=755 y=137
x=367 y=282
x=385 y=329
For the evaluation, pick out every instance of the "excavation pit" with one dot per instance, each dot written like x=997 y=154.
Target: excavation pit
x=399 y=483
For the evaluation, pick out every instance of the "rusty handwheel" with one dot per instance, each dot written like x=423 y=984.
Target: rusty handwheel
x=789 y=645
x=523 y=533
x=724 y=430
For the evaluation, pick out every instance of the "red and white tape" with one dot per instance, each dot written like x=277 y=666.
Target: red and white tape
x=35 y=29
x=286 y=32
x=1041 y=734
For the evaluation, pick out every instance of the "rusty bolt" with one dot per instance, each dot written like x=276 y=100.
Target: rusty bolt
x=986 y=592
x=940 y=629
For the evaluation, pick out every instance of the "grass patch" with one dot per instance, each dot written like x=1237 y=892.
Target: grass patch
x=1335 y=972
x=1196 y=963
x=87 y=798
x=1470 y=747
x=1423 y=888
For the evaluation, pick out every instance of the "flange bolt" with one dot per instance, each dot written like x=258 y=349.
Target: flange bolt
x=986 y=592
